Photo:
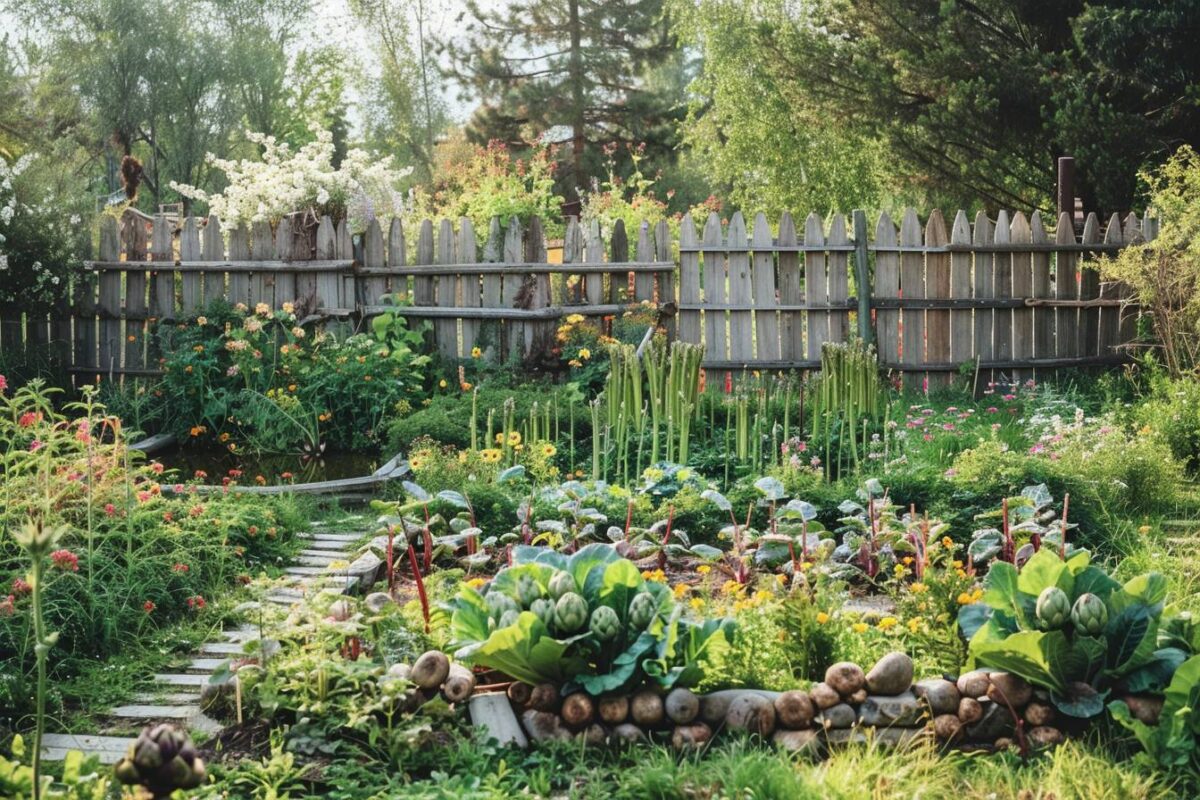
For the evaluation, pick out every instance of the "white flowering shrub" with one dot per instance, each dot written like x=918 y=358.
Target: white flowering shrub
x=39 y=239
x=284 y=181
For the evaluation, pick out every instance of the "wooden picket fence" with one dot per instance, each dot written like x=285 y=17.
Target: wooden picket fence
x=1005 y=297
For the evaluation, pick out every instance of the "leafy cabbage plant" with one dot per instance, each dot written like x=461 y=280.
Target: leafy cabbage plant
x=511 y=625
x=1172 y=743
x=1131 y=653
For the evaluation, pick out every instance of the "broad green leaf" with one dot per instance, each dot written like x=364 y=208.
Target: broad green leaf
x=1155 y=676
x=587 y=558
x=512 y=473
x=1022 y=654
x=622 y=670
x=770 y=487
x=1043 y=570
x=1093 y=580
x=415 y=492
x=1132 y=637
x=525 y=651
x=1081 y=701
x=453 y=498
x=1149 y=590
x=717 y=499
x=525 y=554
x=972 y=617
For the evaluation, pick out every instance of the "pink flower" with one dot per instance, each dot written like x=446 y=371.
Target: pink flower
x=21 y=587
x=156 y=467
x=28 y=418
x=143 y=496
x=950 y=473
x=1037 y=448
x=65 y=560
x=7 y=605
x=928 y=437
x=947 y=426
x=1010 y=397
x=180 y=568
x=110 y=509
x=35 y=445
x=993 y=410
x=3 y=384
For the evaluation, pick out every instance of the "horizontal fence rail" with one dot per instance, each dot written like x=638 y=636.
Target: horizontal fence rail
x=1006 y=297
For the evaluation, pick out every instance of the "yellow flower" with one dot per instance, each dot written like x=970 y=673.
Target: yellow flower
x=416 y=463
x=298 y=332
x=947 y=541
x=514 y=438
x=899 y=570
x=887 y=622
x=781 y=579
x=656 y=575
x=575 y=319
x=262 y=309
x=957 y=564
x=913 y=624
x=442 y=383
x=680 y=589
x=762 y=595
x=288 y=308
x=476 y=352
x=548 y=450
x=919 y=588
x=475 y=583
x=585 y=353
x=465 y=386
x=575 y=362
x=964 y=599
x=696 y=603
x=490 y=455
x=703 y=569
x=732 y=587
x=499 y=438
x=1143 y=530
x=201 y=320
x=822 y=618
x=859 y=627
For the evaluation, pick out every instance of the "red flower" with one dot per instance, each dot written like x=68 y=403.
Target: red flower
x=252 y=530
x=35 y=445
x=200 y=475
x=167 y=517
x=7 y=605
x=110 y=509
x=65 y=560
x=28 y=418
x=3 y=384
x=148 y=606
x=287 y=476
x=21 y=587
x=196 y=603
x=157 y=467
x=235 y=473
x=180 y=568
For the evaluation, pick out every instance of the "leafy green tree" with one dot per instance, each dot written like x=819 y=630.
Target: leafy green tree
x=588 y=72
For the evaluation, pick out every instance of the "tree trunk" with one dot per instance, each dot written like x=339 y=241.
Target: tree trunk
x=576 y=78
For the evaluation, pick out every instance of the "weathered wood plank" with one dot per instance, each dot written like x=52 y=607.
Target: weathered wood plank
x=1002 y=281
x=618 y=282
x=791 y=293
x=689 y=281
x=239 y=250
x=1110 y=317
x=190 y=295
x=816 y=286
x=373 y=287
x=539 y=336
x=1066 y=287
x=714 y=293
x=469 y=284
x=445 y=331
x=1089 y=289
x=594 y=252
x=213 y=249
x=491 y=331
x=262 y=248
x=663 y=251
x=513 y=332
x=766 y=318
x=571 y=288
x=887 y=286
x=109 y=306
x=1131 y=234
x=1022 y=286
x=962 y=338
x=285 y=278
x=137 y=327
x=424 y=293
x=839 y=278
x=937 y=285
x=343 y=248
x=1043 y=318
x=643 y=282
x=397 y=257
x=912 y=285
x=984 y=287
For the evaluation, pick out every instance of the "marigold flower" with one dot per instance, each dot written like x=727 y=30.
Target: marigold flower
x=822 y=618
x=476 y=352
x=887 y=622
x=703 y=569
x=859 y=627
x=262 y=309
x=549 y=450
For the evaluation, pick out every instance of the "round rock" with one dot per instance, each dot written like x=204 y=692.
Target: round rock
x=845 y=677
x=939 y=694
x=891 y=675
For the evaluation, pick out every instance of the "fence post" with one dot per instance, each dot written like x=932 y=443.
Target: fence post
x=862 y=278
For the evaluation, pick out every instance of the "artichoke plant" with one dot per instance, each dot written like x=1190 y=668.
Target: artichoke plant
x=1053 y=608
x=162 y=759
x=1089 y=615
x=605 y=623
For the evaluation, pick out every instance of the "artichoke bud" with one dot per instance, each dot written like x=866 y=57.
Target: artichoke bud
x=1053 y=608
x=148 y=757
x=1089 y=615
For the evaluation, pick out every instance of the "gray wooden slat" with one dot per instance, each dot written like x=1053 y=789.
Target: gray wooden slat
x=887 y=286
x=984 y=286
x=618 y=283
x=445 y=331
x=539 y=336
x=1002 y=336
x=1043 y=318
x=962 y=337
x=766 y=319
x=513 y=332
x=239 y=250
x=109 y=305
x=1066 y=287
x=714 y=294
x=663 y=251
x=816 y=286
x=374 y=287
x=791 y=293
x=1132 y=234
x=343 y=248
x=1110 y=316
x=937 y=285
x=571 y=289
x=593 y=245
x=839 y=279
x=469 y=284
x=912 y=285
x=491 y=331
x=1022 y=287
x=137 y=327
x=262 y=248
x=191 y=298
x=285 y=278
x=397 y=257
x=213 y=249
x=1089 y=289
x=643 y=282
x=689 y=281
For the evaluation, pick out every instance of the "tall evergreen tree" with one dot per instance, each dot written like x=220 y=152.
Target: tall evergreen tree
x=587 y=72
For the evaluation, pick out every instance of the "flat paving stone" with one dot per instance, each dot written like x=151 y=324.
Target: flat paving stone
x=165 y=698
x=327 y=555
x=206 y=664
x=242 y=634
x=317 y=543
x=107 y=757
x=87 y=742
x=139 y=711
x=182 y=679
x=223 y=648
x=306 y=572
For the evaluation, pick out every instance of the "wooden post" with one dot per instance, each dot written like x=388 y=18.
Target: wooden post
x=862 y=277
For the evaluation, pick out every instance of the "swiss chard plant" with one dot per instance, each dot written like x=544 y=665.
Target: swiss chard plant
x=1068 y=627
x=588 y=620
x=1022 y=526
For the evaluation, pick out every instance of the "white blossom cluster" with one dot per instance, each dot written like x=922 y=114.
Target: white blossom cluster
x=8 y=197
x=287 y=181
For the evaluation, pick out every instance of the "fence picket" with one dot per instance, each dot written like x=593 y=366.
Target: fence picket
x=912 y=287
x=239 y=250
x=666 y=280
x=468 y=284
x=1131 y=233
x=423 y=287
x=1002 y=280
x=1089 y=289
x=137 y=326
x=962 y=338
x=397 y=256
x=937 y=285
x=594 y=252
x=816 y=286
x=513 y=331
x=741 y=331
x=643 y=282
x=262 y=248
x=791 y=293
x=571 y=289
x=212 y=248
x=714 y=294
x=1066 y=287
x=374 y=287
x=766 y=321
x=493 y=297
x=887 y=287
x=689 y=282
x=618 y=283
x=445 y=330
x=839 y=279
x=1110 y=316
x=1022 y=287
x=984 y=284
x=285 y=250
x=539 y=335
x=189 y=282
x=1043 y=317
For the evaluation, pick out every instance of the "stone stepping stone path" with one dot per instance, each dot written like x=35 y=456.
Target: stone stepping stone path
x=176 y=695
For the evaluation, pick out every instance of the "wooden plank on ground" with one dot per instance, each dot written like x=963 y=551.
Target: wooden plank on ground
x=912 y=287
x=766 y=319
x=791 y=293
